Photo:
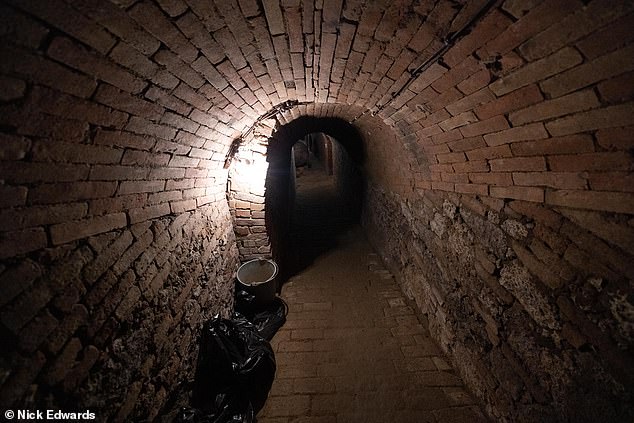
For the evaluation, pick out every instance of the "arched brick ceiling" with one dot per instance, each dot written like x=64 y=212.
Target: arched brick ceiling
x=458 y=81
x=235 y=60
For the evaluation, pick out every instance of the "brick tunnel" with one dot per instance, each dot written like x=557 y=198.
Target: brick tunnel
x=492 y=142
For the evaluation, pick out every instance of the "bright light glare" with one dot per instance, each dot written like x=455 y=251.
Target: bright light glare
x=252 y=173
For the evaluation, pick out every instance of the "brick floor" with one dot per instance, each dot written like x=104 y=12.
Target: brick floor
x=354 y=350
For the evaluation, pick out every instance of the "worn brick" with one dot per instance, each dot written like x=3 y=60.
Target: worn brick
x=57 y=104
x=518 y=164
x=65 y=50
x=179 y=122
x=590 y=253
x=493 y=124
x=112 y=17
x=142 y=158
x=618 y=89
x=536 y=20
x=594 y=200
x=165 y=196
x=579 y=101
x=556 y=180
x=131 y=187
x=180 y=184
x=36 y=331
x=15 y=243
x=12 y=196
x=179 y=68
x=492 y=178
x=479 y=189
x=571 y=144
x=64 y=192
x=11 y=88
x=457 y=121
x=471 y=101
x=616 y=138
x=123 y=139
x=26 y=306
x=69 y=231
x=14 y=147
x=127 y=304
x=519 y=193
x=131 y=58
x=573 y=27
x=609 y=38
x=120 y=100
x=490 y=27
x=142 y=126
x=466 y=144
x=604 y=67
x=115 y=173
x=611 y=232
x=451 y=157
x=168 y=100
x=70 y=21
x=545 y=217
x=534 y=131
x=151 y=18
x=600 y=161
x=606 y=117
x=471 y=166
x=541 y=69
x=22 y=377
x=150 y=212
x=75 y=153
x=167 y=173
x=182 y=206
x=611 y=181
x=180 y=161
x=46 y=72
x=64 y=362
x=187 y=94
x=57 y=338
x=227 y=40
x=20 y=28
x=41 y=215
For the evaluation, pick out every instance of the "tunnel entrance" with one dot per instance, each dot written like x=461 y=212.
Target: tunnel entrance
x=314 y=191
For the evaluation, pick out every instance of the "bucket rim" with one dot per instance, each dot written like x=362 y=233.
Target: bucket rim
x=275 y=271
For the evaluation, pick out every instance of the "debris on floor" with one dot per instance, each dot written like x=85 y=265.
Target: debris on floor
x=236 y=364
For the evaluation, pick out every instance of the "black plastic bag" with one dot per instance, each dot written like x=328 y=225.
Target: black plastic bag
x=267 y=321
x=236 y=367
x=243 y=301
x=236 y=364
x=192 y=415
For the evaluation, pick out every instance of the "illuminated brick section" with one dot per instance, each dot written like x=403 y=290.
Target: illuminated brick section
x=118 y=230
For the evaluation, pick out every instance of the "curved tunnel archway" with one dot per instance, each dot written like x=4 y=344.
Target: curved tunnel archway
x=274 y=203
x=294 y=250
x=497 y=155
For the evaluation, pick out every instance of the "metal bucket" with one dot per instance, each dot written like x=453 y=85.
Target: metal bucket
x=258 y=277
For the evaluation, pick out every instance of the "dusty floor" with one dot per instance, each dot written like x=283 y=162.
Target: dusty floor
x=353 y=350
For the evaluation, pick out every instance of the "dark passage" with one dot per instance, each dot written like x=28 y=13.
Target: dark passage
x=319 y=216
x=322 y=199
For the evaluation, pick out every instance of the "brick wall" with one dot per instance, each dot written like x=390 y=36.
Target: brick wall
x=518 y=255
x=520 y=108
x=249 y=180
x=117 y=117
x=116 y=236
x=530 y=305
